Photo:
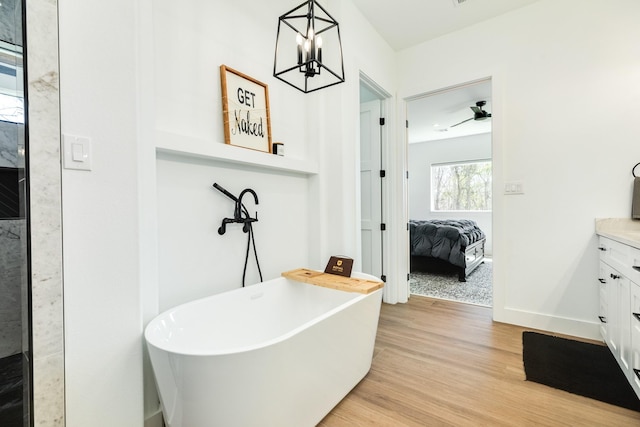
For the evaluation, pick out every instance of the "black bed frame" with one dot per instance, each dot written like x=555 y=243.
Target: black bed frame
x=473 y=256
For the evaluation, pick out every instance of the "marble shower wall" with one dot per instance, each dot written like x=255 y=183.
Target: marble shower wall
x=12 y=250
x=11 y=143
x=10 y=24
x=12 y=256
x=46 y=212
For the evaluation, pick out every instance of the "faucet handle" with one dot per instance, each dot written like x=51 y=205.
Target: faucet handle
x=247 y=223
x=223 y=227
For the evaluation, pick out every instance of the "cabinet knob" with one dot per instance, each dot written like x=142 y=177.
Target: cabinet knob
x=614 y=276
x=602 y=248
x=602 y=319
x=602 y=280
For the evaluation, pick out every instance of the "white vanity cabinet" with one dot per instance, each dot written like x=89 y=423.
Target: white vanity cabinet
x=619 y=284
x=635 y=336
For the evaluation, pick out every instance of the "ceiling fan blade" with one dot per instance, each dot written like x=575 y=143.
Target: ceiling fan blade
x=464 y=121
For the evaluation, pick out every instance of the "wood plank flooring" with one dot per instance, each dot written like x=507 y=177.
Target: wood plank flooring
x=442 y=363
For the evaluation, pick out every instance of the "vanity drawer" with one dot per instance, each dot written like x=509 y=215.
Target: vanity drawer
x=617 y=255
x=634 y=262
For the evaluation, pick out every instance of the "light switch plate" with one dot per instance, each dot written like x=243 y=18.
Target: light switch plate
x=513 y=188
x=76 y=152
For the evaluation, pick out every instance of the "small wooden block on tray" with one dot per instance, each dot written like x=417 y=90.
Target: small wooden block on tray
x=349 y=284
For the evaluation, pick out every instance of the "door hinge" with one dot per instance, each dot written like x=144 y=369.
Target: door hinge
x=382 y=121
x=383 y=226
x=407 y=124
x=383 y=278
x=407 y=174
x=383 y=173
x=407 y=226
x=408 y=277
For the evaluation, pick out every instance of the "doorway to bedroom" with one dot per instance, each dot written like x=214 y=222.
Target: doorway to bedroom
x=450 y=194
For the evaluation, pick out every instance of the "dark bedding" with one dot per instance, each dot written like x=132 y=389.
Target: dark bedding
x=443 y=239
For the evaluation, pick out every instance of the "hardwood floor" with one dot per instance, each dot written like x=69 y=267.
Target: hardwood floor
x=441 y=363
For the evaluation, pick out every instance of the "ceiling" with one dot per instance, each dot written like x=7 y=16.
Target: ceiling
x=431 y=117
x=406 y=23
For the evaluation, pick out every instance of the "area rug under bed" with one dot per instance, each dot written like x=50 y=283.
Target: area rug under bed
x=476 y=290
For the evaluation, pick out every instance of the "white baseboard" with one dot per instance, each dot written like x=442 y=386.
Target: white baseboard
x=559 y=325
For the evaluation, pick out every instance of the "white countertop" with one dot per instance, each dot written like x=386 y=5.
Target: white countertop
x=623 y=230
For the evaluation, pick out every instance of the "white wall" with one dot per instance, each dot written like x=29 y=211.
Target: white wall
x=303 y=219
x=140 y=230
x=102 y=306
x=565 y=91
x=423 y=154
x=195 y=261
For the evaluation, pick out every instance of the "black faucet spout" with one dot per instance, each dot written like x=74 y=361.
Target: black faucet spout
x=238 y=210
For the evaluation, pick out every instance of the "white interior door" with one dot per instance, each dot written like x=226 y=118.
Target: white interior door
x=371 y=188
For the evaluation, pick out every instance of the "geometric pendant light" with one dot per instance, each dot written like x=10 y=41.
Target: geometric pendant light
x=308 y=49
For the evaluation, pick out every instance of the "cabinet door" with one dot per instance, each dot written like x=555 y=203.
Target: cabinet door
x=624 y=321
x=619 y=317
x=604 y=304
x=613 y=313
x=635 y=337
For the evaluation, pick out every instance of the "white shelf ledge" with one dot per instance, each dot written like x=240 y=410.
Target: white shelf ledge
x=187 y=146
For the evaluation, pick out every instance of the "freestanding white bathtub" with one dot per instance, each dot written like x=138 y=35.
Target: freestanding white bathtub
x=279 y=353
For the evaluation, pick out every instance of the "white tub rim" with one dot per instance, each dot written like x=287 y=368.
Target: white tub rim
x=151 y=341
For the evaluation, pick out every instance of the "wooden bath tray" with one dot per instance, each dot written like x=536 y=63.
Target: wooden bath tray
x=349 y=284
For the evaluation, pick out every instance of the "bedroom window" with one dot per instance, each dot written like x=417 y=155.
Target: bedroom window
x=461 y=186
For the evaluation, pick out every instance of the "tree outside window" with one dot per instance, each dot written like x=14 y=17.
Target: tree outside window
x=461 y=186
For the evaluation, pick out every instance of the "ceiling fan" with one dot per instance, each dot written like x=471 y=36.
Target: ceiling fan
x=478 y=113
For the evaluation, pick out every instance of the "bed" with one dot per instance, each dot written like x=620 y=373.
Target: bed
x=446 y=245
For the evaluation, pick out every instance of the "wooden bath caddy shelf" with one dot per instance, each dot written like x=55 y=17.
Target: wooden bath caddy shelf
x=349 y=284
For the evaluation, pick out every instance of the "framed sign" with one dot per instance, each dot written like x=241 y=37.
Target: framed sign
x=245 y=109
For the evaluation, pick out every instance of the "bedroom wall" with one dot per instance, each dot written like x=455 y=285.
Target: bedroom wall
x=565 y=109
x=423 y=154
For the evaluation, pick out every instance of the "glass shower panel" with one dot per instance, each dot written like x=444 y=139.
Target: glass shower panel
x=15 y=366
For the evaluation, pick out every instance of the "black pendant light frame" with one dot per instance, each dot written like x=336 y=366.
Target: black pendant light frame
x=311 y=65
